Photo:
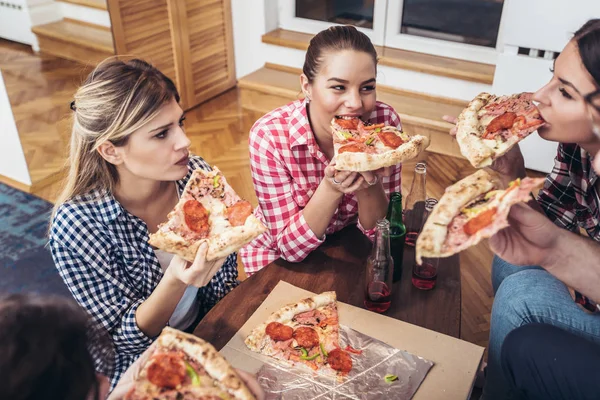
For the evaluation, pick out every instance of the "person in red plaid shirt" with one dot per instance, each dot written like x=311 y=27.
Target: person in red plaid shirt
x=301 y=196
x=543 y=255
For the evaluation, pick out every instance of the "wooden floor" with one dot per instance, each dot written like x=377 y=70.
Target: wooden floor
x=40 y=90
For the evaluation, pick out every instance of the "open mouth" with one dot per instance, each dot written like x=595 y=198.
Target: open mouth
x=347 y=117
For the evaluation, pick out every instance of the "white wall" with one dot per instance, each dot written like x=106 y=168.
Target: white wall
x=249 y=24
x=12 y=159
x=15 y=23
x=555 y=23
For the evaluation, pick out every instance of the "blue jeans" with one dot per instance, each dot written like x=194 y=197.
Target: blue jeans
x=525 y=295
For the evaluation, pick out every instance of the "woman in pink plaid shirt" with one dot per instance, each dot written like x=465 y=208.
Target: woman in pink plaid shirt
x=301 y=196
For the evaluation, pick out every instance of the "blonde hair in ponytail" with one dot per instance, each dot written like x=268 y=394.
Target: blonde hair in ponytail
x=117 y=98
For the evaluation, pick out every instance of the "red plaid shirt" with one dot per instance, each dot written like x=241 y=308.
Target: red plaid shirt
x=570 y=199
x=287 y=167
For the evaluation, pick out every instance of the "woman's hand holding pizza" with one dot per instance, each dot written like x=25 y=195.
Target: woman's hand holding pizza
x=348 y=182
x=510 y=166
x=198 y=273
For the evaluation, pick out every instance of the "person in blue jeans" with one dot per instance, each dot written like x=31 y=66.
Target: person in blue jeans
x=542 y=259
x=529 y=284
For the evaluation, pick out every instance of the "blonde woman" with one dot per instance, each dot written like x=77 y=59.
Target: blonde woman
x=129 y=162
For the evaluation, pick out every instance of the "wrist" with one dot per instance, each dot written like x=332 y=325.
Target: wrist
x=171 y=280
x=557 y=250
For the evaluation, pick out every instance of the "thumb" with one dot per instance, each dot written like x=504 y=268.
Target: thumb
x=201 y=253
x=449 y=118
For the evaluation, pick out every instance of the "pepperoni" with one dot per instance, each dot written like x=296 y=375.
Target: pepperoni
x=347 y=123
x=390 y=139
x=167 y=370
x=196 y=217
x=306 y=337
x=372 y=127
x=479 y=222
x=504 y=121
x=279 y=332
x=238 y=213
x=352 y=148
x=339 y=360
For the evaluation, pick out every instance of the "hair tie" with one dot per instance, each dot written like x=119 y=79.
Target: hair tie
x=73 y=105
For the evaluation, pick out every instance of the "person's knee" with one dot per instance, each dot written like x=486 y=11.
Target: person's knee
x=514 y=299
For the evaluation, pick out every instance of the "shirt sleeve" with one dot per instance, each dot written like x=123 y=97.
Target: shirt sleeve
x=392 y=183
x=84 y=265
x=273 y=186
x=557 y=197
x=222 y=283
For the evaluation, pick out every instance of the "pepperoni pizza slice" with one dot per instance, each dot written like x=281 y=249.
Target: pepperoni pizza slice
x=491 y=125
x=210 y=211
x=305 y=334
x=368 y=147
x=184 y=366
x=471 y=210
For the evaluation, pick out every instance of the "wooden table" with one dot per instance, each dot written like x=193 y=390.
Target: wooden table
x=340 y=265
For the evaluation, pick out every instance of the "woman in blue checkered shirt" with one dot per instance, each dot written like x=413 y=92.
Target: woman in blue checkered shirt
x=129 y=162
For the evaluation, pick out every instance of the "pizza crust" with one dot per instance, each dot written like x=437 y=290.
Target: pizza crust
x=257 y=339
x=361 y=162
x=206 y=355
x=469 y=131
x=435 y=229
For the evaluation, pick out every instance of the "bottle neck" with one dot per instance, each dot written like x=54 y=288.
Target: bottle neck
x=381 y=246
x=394 y=213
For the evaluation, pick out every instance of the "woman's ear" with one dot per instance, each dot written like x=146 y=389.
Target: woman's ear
x=306 y=87
x=109 y=152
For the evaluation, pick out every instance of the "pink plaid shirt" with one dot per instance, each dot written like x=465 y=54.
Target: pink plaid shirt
x=287 y=167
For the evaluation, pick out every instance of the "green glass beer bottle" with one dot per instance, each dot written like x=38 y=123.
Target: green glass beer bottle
x=397 y=233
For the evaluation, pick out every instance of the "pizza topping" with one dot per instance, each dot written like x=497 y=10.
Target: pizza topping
x=390 y=139
x=480 y=221
x=351 y=349
x=390 y=378
x=328 y=321
x=344 y=123
x=306 y=337
x=312 y=317
x=191 y=372
x=196 y=217
x=374 y=127
x=167 y=370
x=352 y=148
x=501 y=122
x=279 y=332
x=323 y=351
x=239 y=212
x=339 y=360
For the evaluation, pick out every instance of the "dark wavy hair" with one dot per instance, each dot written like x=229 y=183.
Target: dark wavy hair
x=47 y=349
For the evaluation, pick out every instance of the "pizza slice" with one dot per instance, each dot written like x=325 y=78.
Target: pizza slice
x=469 y=211
x=368 y=147
x=208 y=210
x=183 y=367
x=304 y=334
x=491 y=125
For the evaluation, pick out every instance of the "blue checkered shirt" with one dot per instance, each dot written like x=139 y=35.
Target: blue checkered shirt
x=102 y=253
